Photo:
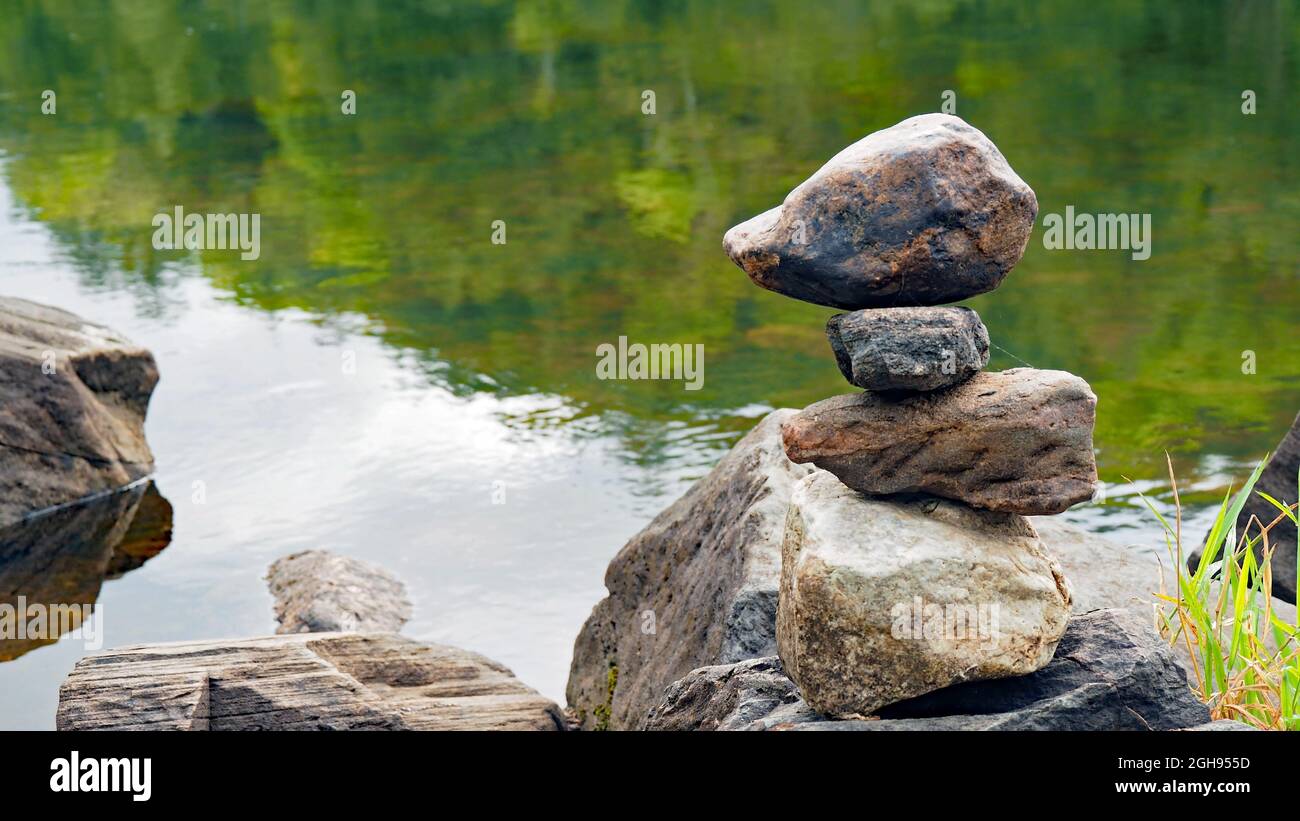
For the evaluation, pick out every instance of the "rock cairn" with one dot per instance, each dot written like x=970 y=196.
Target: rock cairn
x=912 y=567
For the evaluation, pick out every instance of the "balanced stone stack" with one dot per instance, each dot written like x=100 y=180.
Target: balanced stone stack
x=907 y=563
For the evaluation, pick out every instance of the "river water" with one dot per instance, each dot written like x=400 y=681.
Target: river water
x=384 y=381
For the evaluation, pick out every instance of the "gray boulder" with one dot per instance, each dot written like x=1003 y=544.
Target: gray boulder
x=73 y=398
x=726 y=696
x=1018 y=441
x=319 y=592
x=697 y=586
x=908 y=349
x=922 y=213
x=1110 y=672
x=884 y=600
x=303 y=681
x=1278 y=480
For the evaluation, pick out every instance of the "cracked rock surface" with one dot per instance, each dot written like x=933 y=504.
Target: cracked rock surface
x=303 y=681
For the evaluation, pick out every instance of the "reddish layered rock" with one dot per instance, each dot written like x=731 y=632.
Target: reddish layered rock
x=1017 y=441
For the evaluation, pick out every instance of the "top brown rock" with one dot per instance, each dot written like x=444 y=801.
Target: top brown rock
x=923 y=213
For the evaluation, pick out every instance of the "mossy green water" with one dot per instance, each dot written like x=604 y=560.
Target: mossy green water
x=469 y=113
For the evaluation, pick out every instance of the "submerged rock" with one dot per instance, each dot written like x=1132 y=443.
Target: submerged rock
x=1110 y=672
x=73 y=397
x=882 y=600
x=922 y=213
x=319 y=592
x=305 y=681
x=150 y=532
x=908 y=349
x=697 y=586
x=1018 y=441
x=60 y=558
x=1278 y=480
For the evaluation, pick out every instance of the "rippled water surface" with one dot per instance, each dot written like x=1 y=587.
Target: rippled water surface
x=475 y=363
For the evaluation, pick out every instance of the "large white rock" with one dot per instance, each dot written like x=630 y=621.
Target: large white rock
x=882 y=600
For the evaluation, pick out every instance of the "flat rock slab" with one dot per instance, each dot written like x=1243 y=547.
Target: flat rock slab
x=1017 y=441
x=697 y=586
x=1110 y=672
x=908 y=349
x=922 y=213
x=320 y=592
x=303 y=681
x=884 y=600
x=1278 y=480
x=73 y=397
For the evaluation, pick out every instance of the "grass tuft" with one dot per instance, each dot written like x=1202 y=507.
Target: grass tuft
x=1222 y=614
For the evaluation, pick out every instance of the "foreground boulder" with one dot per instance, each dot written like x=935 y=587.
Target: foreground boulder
x=884 y=600
x=923 y=213
x=1278 y=480
x=908 y=349
x=73 y=397
x=697 y=586
x=59 y=559
x=319 y=592
x=306 y=681
x=1018 y=441
x=1110 y=672
x=1101 y=573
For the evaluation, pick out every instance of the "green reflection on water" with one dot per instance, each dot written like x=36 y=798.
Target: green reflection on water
x=531 y=113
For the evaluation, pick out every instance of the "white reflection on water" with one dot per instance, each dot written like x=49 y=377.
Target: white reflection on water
x=294 y=453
